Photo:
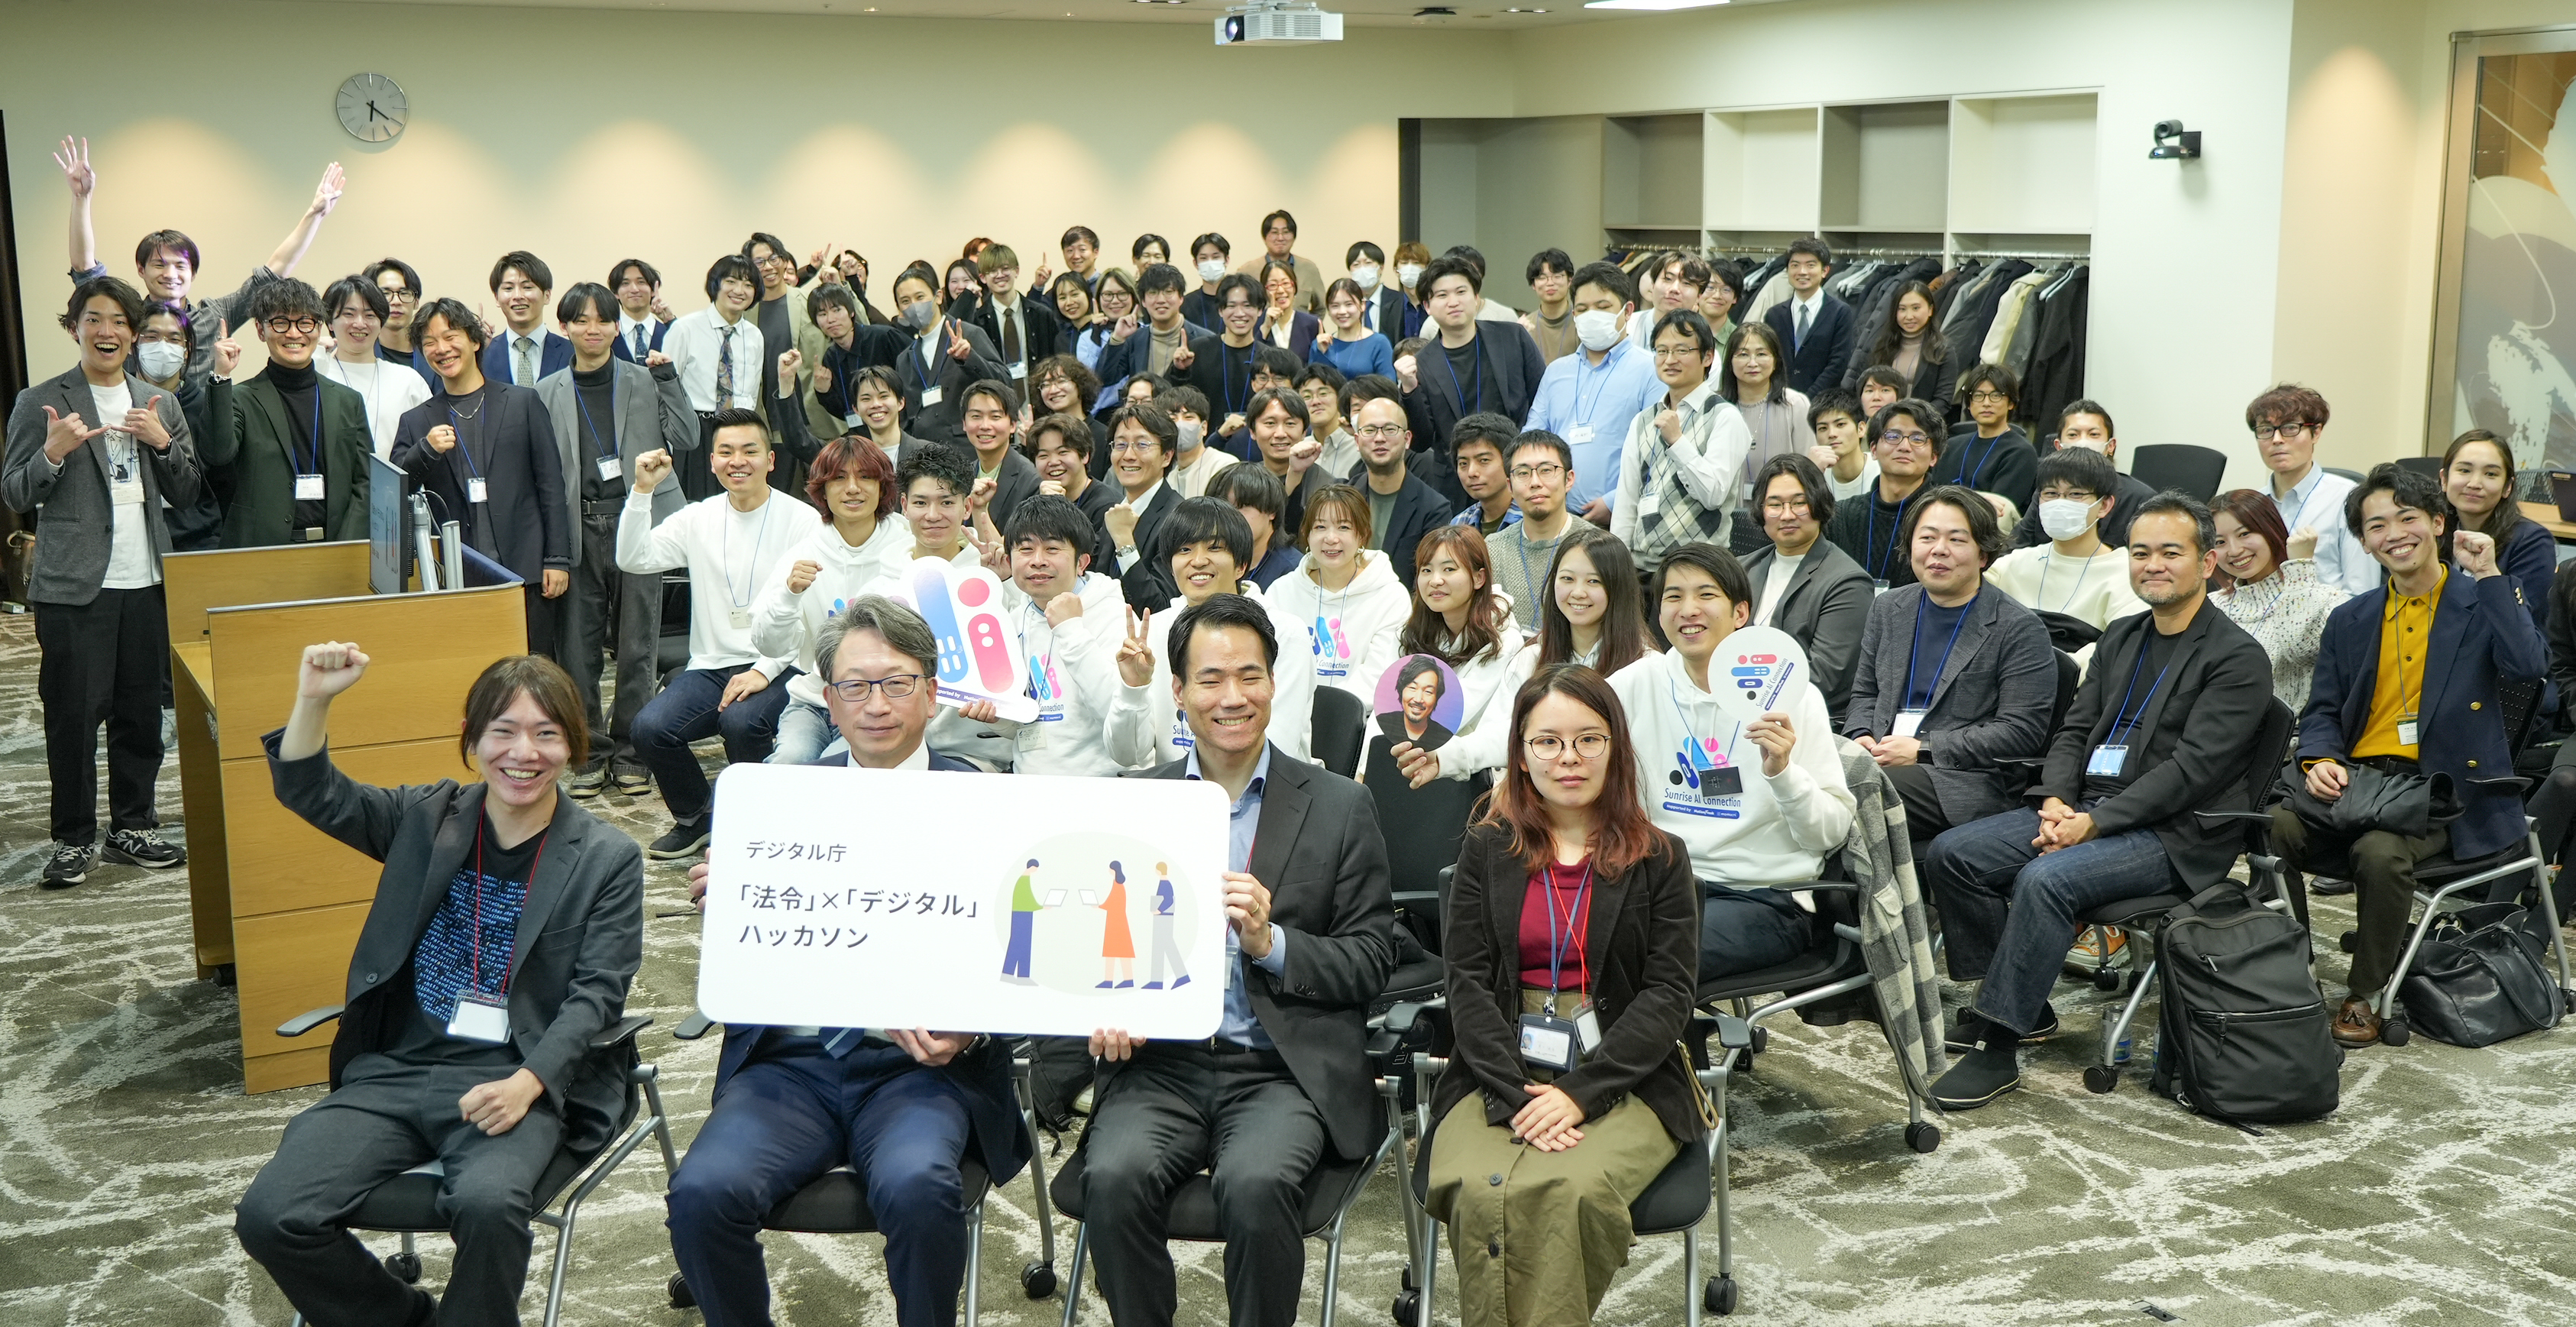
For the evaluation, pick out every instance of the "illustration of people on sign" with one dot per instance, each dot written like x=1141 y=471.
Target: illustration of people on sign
x=1024 y=920
x=1118 y=942
x=1167 y=952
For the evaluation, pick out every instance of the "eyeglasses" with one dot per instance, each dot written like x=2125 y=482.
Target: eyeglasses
x=1548 y=747
x=773 y=260
x=898 y=687
x=1986 y=397
x=1131 y=447
x=1549 y=471
x=2292 y=430
x=1380 y=431
x=1678 y=352
x=1783 y=506
x=307 y=325
x=2068 y=495
x=1892 y=438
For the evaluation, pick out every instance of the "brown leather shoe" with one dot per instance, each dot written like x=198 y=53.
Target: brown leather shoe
x=2356 y=1024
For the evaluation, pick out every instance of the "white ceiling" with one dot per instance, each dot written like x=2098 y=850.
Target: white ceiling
x=1472 y=15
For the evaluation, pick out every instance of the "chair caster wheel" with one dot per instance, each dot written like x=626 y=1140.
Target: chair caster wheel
x=1408 y=1309
x=2099 y=1078
x=1408 y=1278
x=2569 y=998
x=1923 y=1136
x=2348 y=940
x=405 y=1267
x=1037 y=1280
x=681 y=1296
x=2394 y=1032
x=2129 y=986
x=1719 y=1298
x=2106 y=979
x=1761 y=1040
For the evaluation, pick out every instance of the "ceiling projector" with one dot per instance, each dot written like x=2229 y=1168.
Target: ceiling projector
x=1282 y=24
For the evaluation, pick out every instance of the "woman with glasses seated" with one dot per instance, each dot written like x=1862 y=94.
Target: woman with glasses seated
x=2286 y=422
x=1567 y=1092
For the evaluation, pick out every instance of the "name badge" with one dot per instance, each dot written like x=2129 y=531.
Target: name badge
x=308 y=488
x=1181 y=739
x=477 y=491
x=2107 y=761
x=609 y=470
x=741 y=618
x=1909 y=722
x=1019 y=370
x=1587 y=1028
x=1549 y=1042
x=853 y=422
x=480 y=1017
x=1723 y=781
x=2406 y=732
x=1878 y=587
x=1579 y=434
x=931 y=396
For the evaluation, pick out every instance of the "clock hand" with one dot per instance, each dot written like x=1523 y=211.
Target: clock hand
x=374 y=114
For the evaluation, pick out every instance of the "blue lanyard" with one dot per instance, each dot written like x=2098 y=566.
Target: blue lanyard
x=1557 y=949
x=1968 y=474
x=1869 y=542
x=1461 y=388
x=2122 y=722
x=1920 y=606
x=2039 y=597
x=921 y=361
x=1225 y=376
x=1609 y=360
x=317 y=431
x=607 y=448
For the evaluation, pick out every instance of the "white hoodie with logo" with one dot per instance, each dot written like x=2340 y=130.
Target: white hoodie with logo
x=786 y=623
x=1778 y=828
x=1342 y=638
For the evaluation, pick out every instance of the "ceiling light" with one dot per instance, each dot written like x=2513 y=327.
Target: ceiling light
x=1650 y=4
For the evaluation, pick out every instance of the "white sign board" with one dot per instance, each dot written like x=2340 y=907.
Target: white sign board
x=979 y=657
x=850 y=897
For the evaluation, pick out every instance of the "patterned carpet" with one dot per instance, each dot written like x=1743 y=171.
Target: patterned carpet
x=2444 y=1192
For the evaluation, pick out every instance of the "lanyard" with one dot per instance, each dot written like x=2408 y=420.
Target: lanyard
x=1968 y=474
x=1225 y=377
x=1461 y=388
x=1920 y=606
x=921 y=361
x=2122 y=722
x=2048 y=560
x=1609 y=361
x=1674 y=694
x=1578 y=930
x=316 y=436
x=607 y=447
x=1869 y=550
x=478 y=901
x=724 y=555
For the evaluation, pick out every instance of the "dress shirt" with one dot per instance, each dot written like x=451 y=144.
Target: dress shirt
x=1012 y=315
x=1812 y=308
x=1591 y=407
x=1142 y=502
x=693 y=343
x=2405 y=632
x=2316 y=502
x=533 y=345
x=627 y=327
x=1243 y=820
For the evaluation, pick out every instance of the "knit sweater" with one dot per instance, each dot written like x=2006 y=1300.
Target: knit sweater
x=2286 y=613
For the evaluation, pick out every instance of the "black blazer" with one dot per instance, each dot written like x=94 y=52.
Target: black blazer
x=1148 y=584
x=1017 y=483
x=1041 y=334
x=1390 y=313
x=578 y=942
x=1318 y=850
x=1828 y=348
x=1644 y=937
x=1512 y=368
x=946 y=421
x=247 y=434
x=1128 y=358
x=523 y=527
x=2199 y=733
x=1825 y=608
x=1991 y=702
x=2005 y=464
x=1419 y=510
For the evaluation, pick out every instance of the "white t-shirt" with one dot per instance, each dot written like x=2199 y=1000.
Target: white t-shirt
x=129 y=551
x=1784 y=569
x=390 y=391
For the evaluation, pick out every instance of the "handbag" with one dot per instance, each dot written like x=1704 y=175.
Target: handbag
x=2412 y=805
x=2479 y=979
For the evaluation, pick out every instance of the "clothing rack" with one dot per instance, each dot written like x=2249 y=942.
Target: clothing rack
x=2059 y=257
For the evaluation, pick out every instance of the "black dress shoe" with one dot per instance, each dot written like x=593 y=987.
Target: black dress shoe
x=1979 y=1076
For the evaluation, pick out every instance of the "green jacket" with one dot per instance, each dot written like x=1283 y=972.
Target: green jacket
x=247 y=434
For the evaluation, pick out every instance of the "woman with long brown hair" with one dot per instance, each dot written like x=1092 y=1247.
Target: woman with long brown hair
x=1572 y=929
x=1461 y=619
x=1590 y=613
x=2478 y=477
x=2271 y=588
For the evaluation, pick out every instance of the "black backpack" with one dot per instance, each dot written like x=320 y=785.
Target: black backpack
x=2241 y=1035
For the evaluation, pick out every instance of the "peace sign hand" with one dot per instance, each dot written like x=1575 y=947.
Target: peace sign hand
x=957 y=347
x=1136 y=650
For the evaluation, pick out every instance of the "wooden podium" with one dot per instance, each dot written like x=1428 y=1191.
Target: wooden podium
x=271 y=898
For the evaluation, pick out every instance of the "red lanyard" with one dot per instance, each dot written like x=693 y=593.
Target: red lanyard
x=1578 y=926
x=478 y=899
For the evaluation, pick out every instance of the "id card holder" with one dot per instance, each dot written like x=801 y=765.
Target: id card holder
x=1878 y=587
x=2406 y=731
x=1587 y=1028
x=308 y=488
x=1549 y=1043
x=1724 y=781
x=931 y=396
x=477 y=491
x=480 y=1017
x=1019 y=370
x=2107 y=762
x=741 y=619
x=1579 y=434
x=1908 y=723
x=609 y=470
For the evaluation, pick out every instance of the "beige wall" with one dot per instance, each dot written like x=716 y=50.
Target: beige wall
x=587 y=136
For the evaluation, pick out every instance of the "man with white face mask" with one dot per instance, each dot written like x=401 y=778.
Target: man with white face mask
x=1383 y=305
x=2087 y=424
x=1589 y=398
x=2074 y=574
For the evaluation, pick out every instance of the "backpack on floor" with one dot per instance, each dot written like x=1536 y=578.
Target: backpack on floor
x=2242 y=1031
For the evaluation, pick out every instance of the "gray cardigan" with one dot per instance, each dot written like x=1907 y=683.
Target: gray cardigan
x=74 y=519
x=1992 y=701
x=651 y=411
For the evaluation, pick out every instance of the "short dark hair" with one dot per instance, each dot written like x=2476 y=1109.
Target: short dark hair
x=1689 y=320
x=2083 y=467
x=736 y=417
x=1475 y=258
x=1925 y=415
x=1160 y=276
x=356 y=288
x=777 y=246
x=1074 y=428
x=1823 y=399
x=1363 y=249
x=129 y=301
x=2204 y=523
x=1083 y=233
x=1085 y=383
x=1885 y=375
x=2288 y=403
x=1820 y=494
x=530 y=266
x=1204 y=241
x=187 y=328
x=1201 y=518
x=1319 y=371
x=1724 y=274
x=540 y=679
x=617 y=275
x=1365 y=388
x=1563 y=450
x=1720 y=565
x=170 y=239
x=2407 y=488
x=1544 y=259
x=1045 y=516
x=1286 y=398
x=1181 y=396
x=453 y=311
x=873 y=373
x=1136 y=251
x=1234 y=281
x=283 y=297
x=1450 y=264
x=1255 y=487
x=1277 y=361
x=376 y=269
x=736 y=266
x=1990 y=375
x=948 y=464
x=993 y=387
x=1153 y=419
x=1813 y=248
x=1279 y=214
x=1495 y=431
x=2086 y=406
x=598 y=300
x=1221 y=611
x=1983 y=528
x=1609 y=278
x=830 y=295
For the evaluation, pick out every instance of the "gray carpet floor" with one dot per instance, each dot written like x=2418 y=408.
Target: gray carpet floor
x=2443 y=1192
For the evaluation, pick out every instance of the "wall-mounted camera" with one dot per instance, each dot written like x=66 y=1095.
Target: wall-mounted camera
x=2175 y=143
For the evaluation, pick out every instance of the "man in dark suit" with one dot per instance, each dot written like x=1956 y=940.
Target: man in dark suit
x=525 y=351
x=900 y=1107
x=944 y=358
x=1816 y=326
x=1472 y=366
x=605 y=412
x=1164 y=334
x=1825 y=597
x=1952 y=680
x=992 y=413
x=506 y=926
x=642 y=319
x=102 y=630
x=2408 y=681
x=1285 y=1082
x=296 y=444
x=1382 y=304
x=1221 y=366
x=486 y=453
x=2164 y=726
x=1142 y=440
x=1023 y=331
x=1402 y=508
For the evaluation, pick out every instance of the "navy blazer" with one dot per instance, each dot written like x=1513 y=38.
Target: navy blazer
x=620 y=349
x=554 y=353
x=1505 y=383
x=525 y=527
x=983 y=1076
x=1128 y=358
x=1827 y=353
x=2482 y=638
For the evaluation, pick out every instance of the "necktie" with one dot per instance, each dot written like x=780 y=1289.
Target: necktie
x=1801 y=338
x=525 y=372
x=639 y=343
x=1010 y=336
x=724 y=371
x=838 y=1042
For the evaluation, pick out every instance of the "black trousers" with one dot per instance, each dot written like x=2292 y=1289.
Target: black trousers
x=608 y=609
x=104 y=661
x=697 y=477
x=384 y=1119
x=1924 y=818
x=1173 y=1111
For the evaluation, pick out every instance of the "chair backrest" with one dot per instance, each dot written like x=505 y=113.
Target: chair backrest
x=2069 y=677
x=1339 y=722
x=1423 y=826
x=2520 y=702
x=2271 y=749
x=2068 y=633
x=2179 y=465
x=2427 y=466
x=2340 y=473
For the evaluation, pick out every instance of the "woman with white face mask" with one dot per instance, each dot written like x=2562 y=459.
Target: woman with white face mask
x=1346 y=343
x=2074 y=574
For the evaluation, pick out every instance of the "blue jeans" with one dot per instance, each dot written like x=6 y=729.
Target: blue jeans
x=686 y=712
x=803 y=731
x=1747 y=930
x=2008 y=911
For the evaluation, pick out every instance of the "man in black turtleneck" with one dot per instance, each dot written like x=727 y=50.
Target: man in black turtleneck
x=1905 y=436
x=297 y=444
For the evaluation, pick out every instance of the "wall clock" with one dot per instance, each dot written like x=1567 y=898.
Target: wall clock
x=372 y=108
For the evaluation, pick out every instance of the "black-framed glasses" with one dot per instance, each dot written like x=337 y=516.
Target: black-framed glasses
x=1548 y=471
x=1781 y=506
x=1984 y=396
x=1547 y=747
x=2293 y=429
x=898 y=687
x=307 y=324
x=1892 y=438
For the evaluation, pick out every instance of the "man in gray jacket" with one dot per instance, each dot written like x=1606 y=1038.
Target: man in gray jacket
x=94 y=453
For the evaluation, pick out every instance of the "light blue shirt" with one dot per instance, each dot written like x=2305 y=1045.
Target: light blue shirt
x=1574 y=394
x=2316 y=502
x=1243 y=820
